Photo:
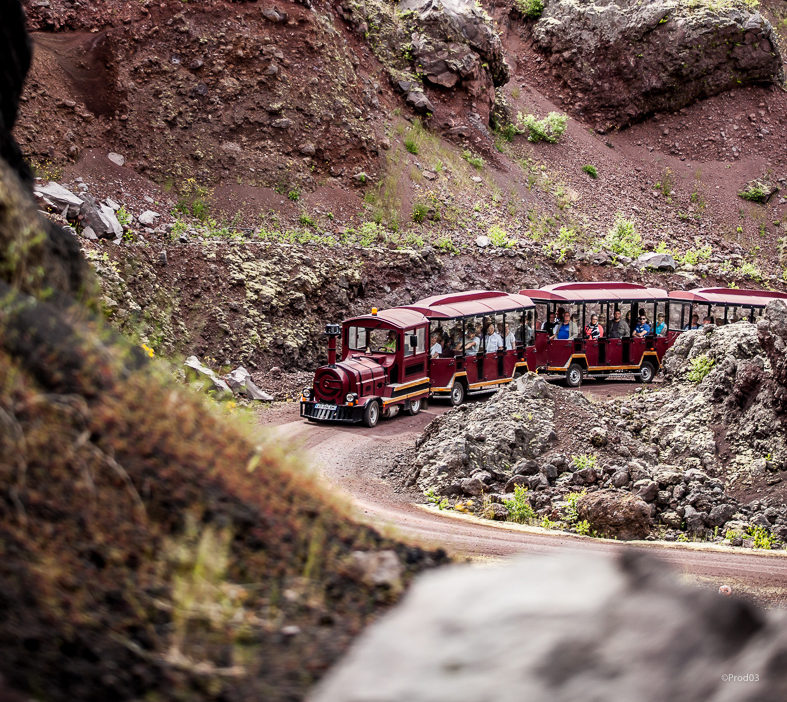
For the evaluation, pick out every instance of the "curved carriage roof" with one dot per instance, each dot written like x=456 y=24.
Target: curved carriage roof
x=728 y=296
x=395 y=317
x=595 y=291
x=473 y=302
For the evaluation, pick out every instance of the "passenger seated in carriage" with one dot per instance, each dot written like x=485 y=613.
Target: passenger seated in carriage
x=694 y=324
x=510 y=338
x=472 y=347
x=449 y=347
x=661 y=326
x=565 y=328
x=437 y=347
x=594 y=330
x=643 y=328
x=707 y=323
x=494 y=342
x=618 y=329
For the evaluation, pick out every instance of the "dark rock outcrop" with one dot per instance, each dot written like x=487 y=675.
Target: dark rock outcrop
x=772 y=333
x=624 y=59
x=615 y=514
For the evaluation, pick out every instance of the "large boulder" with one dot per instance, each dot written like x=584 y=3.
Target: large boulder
x=615 y=514
x=624 y=59
x=563 y=628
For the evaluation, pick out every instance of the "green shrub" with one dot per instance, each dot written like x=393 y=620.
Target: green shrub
x=570 y=512
x=584 y=460
x=754 y=192
x=582 y=527
x=433 y=498
x=294 y=195
x=700 y=366
x=123 y=216
x=499 y=237
x=623 y=238
x=693 y=256
x=561 y=246
x=549 y=129
x=762 y=538
x=519 y=509
x=306 y=220
x=445 y=243
x=590 y=170
x=420 y=211
x=530 y=9
x=411 y=144
x=475 y=161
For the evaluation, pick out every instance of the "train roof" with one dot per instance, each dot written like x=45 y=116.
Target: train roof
x=595 y=291
x=395 y=317
x=729 y=296
x=473 y=302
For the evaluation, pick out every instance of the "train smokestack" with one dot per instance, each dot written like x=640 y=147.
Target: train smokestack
x=332 y=331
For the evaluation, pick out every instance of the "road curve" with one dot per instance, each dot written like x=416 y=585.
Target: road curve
x=352 y=459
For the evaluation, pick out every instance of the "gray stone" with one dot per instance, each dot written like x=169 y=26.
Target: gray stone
x=307 y=149
x=116 y=158
x=482 y=241
x=615 y=514
x=148 y=218
x=720 y=514
x=419 y=102
x=496 y=511
x=646 y=489
x=671 y=519
x=376 y=568
x=217 y=383
x=586 y=628
x=657 y=261
x=100 y=218
x=88 y=233
x=472 y=486
x=57 y=197
x=620 y=478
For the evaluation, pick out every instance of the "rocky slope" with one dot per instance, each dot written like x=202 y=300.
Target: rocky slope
x=705 y=456
x=150 y=544
x=622 y=60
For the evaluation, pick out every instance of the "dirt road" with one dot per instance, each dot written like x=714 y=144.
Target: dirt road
x=352 y=458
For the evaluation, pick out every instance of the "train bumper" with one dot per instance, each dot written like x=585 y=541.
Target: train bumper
x=327 y=412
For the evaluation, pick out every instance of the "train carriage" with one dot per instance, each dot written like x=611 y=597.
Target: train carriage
x=578 y=354
x=483 y=338
x=690 y=309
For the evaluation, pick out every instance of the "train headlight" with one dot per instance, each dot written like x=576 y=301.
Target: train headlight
x=306 y=393
x=351 y=397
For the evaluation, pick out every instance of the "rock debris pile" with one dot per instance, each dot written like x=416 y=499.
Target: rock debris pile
x=697 y=457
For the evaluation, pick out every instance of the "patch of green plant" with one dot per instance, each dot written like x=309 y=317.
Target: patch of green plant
x=529 y=9
x=682 y=538
x=123 y=216
x=507 y=131
x=192 y=199
x=294 y=195
x=694 y=256
x=749 y=270
x=590 y=169
x=411 y=144
x=549 y=129
x=762 y=537
x=306 y=220
x=623 y=238
x=433 y=498
x=547 y=523
x=584 y=460
x=519 y=509
x=446 y=244
x=499 y=237
x=700 y=366
x=570 y=511
x=562 y=245
x=420 y=211
x=582 y=527
x=667 y=183
x=475 y=161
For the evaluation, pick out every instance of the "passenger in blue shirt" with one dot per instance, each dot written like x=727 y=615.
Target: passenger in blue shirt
x=564 y=330
x=643 y=328
x=661 y=325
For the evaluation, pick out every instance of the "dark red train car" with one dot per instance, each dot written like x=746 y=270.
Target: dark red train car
x=618 y=343
x=383 y=369
x=482 y=336
x=691 y=309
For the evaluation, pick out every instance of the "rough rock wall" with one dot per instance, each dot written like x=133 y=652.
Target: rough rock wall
x=622 y=60
x=564 y=628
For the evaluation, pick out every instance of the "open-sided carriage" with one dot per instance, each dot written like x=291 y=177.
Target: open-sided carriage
x=626 y=351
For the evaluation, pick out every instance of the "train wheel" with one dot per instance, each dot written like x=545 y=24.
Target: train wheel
x=574 y=375
x=646 y=372
x=457 y=393
x=414 y=407
x=371 y=415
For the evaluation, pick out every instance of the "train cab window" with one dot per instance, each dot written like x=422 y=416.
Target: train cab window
x=541 y=317
x=419 y=335
x=373 y=340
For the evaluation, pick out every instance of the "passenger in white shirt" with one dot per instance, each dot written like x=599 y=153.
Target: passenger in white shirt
x=437 y=348
x=494 y=341
x=510 y=338
x=472 y=346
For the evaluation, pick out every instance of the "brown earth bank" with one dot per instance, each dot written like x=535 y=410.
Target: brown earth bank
x=326 y=141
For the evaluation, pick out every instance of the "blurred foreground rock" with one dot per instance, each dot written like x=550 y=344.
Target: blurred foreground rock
x=561 y=629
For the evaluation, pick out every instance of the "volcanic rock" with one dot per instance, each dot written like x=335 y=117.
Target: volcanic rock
x=624 y=59
x=615 y=514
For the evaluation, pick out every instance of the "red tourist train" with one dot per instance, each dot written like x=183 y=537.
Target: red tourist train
x=468 y=343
